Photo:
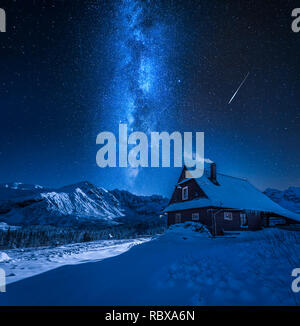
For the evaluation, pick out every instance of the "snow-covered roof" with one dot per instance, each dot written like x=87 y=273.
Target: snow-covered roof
x=232 y=192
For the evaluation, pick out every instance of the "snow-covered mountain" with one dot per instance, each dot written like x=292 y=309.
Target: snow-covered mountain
x=289 y=198
x=81 y=203
x=136 y=206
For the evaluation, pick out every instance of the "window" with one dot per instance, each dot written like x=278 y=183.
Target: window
x=195 y=217
x=244 y=220
x=185 y=193
x=177 y=218
x=227 y=216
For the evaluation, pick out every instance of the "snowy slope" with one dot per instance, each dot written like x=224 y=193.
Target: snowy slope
x=289 y=198
x=83 y=200
x=136 y=206
x=73 y=205
x=23 y=263
x=180 y=267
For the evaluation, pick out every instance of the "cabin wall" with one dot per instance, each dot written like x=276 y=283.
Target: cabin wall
x=254 y=221
x=206 y=217
x=186 y=216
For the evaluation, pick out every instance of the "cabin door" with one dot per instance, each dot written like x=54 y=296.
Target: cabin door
x=244 y=220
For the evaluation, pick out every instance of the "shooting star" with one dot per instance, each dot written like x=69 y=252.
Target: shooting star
x=242 y=83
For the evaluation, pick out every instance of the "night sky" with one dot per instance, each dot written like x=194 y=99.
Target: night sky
x=71 y=69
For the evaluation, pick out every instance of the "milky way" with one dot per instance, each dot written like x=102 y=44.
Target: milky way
x=139 y=71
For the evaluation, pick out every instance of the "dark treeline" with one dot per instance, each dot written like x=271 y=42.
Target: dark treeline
x=39 y=236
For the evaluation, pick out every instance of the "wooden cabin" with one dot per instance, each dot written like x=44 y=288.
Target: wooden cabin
x=224 y=203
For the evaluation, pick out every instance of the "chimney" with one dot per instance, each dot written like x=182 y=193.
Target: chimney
x=213 y=173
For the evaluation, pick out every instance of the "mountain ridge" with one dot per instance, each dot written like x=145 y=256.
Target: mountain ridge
x=75 y=204
x=289 y=198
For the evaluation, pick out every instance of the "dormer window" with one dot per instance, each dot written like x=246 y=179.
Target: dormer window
x=185 y=193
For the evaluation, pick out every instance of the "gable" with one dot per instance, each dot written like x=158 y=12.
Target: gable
x=194 y=191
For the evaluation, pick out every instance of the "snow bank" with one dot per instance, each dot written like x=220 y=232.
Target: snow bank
x=189 y=229
x=20 y=264
x=4 y=257
x=3 y=226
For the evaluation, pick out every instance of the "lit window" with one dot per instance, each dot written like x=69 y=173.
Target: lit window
x=195 y=217
x=185 y=193
x=228 y=216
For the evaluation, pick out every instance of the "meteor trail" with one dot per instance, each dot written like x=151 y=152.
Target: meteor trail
x=242 y=83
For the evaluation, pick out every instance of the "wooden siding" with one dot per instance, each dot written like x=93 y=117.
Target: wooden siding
x=206 y=218
x=186 y=216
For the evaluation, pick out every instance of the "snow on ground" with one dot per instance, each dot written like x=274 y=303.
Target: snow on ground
x=4 y=257
x=180 y=267
x=23 y=263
